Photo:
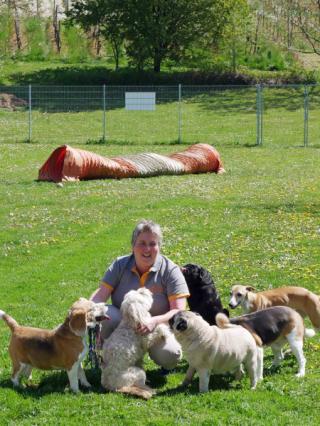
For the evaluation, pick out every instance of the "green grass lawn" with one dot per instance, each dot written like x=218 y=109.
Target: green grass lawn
x=258 y=223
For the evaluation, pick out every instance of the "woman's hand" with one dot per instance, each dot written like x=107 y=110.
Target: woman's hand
x=176 y=305
x=148 y=327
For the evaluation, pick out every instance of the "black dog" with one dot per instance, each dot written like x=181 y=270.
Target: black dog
x=204 y=298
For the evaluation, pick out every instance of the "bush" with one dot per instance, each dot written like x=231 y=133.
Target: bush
x=36 y=40
x=267 y=58
x=75 y=46
x=6 y=25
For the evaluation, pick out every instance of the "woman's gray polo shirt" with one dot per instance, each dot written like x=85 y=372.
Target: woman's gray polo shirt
x=164 y=279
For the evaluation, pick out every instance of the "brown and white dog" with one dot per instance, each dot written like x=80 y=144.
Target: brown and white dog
x=62 y=348
x=274 y=327
x=302 y=300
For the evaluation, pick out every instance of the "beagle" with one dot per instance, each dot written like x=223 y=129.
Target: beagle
x=302 y=300
x=61 y=348
x=273 y=327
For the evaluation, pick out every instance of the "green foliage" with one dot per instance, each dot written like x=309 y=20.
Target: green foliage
x=152 y=30
x=6 y=25
x=37 y=48
x=105 y=16
x=197 y=57
x=233 y=41
x=215 y=35
x=162 y=33
x=258 y=223
x=268 y=57
x=75 y=47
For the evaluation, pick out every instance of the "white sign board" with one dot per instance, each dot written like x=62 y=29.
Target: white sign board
x=141 y=101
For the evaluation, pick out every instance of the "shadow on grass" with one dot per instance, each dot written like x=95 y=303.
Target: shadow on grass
x=56 y=382
x=174 y=142
x=94 y=74
x=108 y=142
x=215 y=90
x=155 y=379
x=217 y=383
x=288 y=365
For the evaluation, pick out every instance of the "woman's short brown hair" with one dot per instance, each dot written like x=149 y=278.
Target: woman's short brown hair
x=146 y=226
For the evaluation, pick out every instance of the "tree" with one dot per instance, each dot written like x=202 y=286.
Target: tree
x=153 y=29
x=15 y=7
x=104 y=17
x=160 y=29
x=56 y=27
x=307 y=20
x=236 y=30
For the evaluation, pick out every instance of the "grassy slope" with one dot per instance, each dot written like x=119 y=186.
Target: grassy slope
x=258 y=224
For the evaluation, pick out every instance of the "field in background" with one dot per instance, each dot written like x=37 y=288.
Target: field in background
x=220 y=115
x=257 y=224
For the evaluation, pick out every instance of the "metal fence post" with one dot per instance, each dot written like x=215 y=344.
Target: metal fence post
x=306 y=116
x=259 y=113
x=104 y=113
x=30 y=113
x=179 y=114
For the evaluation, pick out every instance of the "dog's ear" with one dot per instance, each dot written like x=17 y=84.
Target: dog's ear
x=250 y=288
x=91 y=320
x=133 y=314
x=182 y=325
x=204 y=275
x=78 y=322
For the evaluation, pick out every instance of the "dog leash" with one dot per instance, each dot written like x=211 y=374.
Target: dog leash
x=94 y=358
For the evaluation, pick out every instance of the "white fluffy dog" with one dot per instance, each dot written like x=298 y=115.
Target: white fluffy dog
x=211 y=349
x=124 y=350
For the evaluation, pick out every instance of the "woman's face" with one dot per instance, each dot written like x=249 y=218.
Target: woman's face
x=146 y=250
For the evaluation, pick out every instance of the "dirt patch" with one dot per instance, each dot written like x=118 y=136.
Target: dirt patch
x=12 y=102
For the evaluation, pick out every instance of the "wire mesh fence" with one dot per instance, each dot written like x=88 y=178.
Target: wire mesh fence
x=220 y=115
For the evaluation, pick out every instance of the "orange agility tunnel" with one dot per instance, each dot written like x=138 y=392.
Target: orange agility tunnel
x=71 y=164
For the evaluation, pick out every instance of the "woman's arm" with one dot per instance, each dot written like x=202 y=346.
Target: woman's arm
x=102 y=294
x=176 y=305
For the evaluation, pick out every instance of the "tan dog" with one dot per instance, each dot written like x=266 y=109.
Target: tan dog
x=302 y=300
x=62 y=348
x=209 y=349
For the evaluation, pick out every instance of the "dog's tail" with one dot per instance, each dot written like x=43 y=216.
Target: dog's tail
x=309 y=332
x=223 y=321
x=142 y=392
x=12 y=323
